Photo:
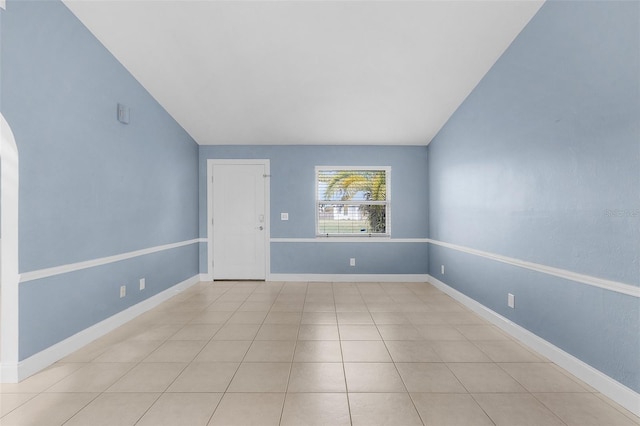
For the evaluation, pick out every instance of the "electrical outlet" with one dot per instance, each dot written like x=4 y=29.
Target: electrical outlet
x=442 y=269
x=352 y=261
x=143 y=284
x=284 y=216
x=511 y=300
x=123 y=291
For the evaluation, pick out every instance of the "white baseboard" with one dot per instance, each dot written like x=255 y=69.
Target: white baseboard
x=391 y=278
x=206 y=277
x=13 y=373
x=604 y=384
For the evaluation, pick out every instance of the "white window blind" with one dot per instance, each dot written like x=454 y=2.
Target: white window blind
x=352 y=201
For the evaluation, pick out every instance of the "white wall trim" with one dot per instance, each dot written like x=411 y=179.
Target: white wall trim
x=15 y=372
x=613 y=389
x=618 y=287
x=9 y=272
x=209 y=218
x=206 y=277
x=354 y=239
x=3 y=4
x=610 y=285
x=412 y=278
x=63 y=269
x=8 y=372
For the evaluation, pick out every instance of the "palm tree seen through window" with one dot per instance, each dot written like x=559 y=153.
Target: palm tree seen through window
x=352 y=201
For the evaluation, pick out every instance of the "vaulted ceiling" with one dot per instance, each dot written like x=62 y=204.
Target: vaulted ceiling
x=307 y=72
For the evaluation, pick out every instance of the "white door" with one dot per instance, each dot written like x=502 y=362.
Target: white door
x=239 y=220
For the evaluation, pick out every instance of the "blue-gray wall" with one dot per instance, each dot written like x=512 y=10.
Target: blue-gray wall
x=90 y=187
x=542 y=163
x=293 y=191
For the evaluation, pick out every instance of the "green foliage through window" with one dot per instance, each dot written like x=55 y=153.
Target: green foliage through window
x=352 y=201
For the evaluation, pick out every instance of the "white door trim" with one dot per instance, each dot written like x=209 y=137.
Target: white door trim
x=9 y=274
x=267 y=201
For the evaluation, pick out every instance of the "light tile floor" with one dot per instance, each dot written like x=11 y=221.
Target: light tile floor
x=303 y=354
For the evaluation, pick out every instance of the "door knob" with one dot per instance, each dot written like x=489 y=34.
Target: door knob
x=260 y=228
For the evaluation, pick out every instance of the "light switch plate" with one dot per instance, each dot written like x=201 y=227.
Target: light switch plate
x=284 y=216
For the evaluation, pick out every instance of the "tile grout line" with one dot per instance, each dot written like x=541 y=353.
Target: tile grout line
x=394 y=363
x=400 y=375
x=188 y=364
x=398 y=303
x=210 y=340
x=101 y=393
x=295 y=345
x=344 y=370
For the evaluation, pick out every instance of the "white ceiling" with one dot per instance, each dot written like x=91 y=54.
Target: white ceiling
x=307 y=72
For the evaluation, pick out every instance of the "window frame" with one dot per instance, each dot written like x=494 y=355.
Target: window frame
x=386 y=203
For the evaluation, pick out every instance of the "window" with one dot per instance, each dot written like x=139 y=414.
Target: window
x=352 y=201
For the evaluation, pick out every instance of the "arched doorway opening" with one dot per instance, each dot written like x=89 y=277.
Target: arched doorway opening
x=9 y=277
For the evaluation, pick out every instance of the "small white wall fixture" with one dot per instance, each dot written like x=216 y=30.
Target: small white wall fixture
x=9 y=277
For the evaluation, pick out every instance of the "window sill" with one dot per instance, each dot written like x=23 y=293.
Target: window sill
x=354 y=236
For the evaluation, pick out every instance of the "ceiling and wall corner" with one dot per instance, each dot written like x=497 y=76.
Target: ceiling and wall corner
x=307 y=72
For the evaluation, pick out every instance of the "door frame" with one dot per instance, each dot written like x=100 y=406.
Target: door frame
x=211 y=163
